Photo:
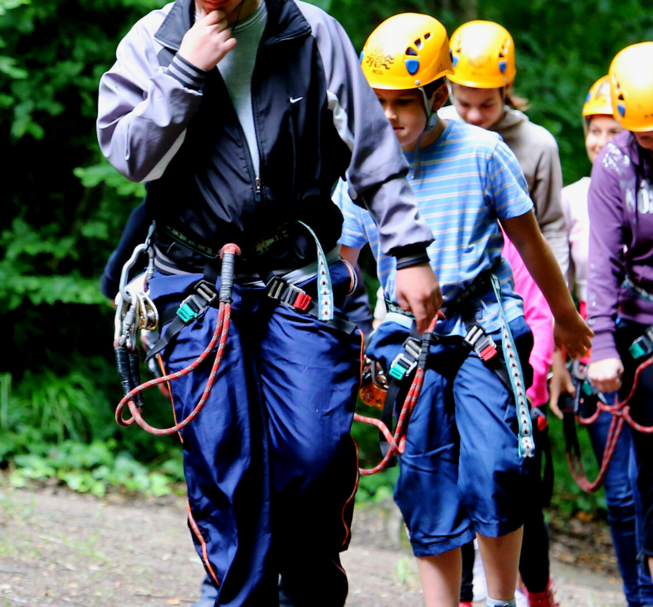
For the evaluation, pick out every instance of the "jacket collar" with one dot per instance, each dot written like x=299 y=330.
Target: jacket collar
x=285 y=22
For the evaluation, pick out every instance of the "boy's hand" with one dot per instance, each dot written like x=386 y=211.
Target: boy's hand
x=561 y=383
x=208 y=41
x=418 y=291
x=606 y=374
x=572 y=333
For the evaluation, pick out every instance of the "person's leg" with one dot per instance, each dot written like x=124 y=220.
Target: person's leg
x=620 y=502
x=441 y=579
x=309 y=376
x=534 y=564
x=500 y=559
x=427 y=489
x=225 y=457
x=645 y=583
x=641 y=408
x=209 y=592
x=467 y=582
x=495 y=482
x=534 y=558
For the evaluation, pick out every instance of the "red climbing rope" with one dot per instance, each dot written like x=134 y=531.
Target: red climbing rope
x=220 y=336
x=621 y=413
x=397 y=443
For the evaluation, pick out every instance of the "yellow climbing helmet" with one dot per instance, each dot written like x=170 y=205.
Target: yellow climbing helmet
x=631 y=87
x=598 y=100
x=406 y=51
x=483 y=55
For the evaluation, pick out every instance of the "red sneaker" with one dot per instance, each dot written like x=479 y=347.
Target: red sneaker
x=546 y=598
x=465 y=604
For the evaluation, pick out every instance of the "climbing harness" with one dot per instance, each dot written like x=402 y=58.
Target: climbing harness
x=136 y=312
x=188 y=311
x=587 y=396
x=383 y=391
x=620 y=412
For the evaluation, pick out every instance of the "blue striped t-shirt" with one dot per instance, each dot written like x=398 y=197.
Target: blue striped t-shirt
x=469 y=179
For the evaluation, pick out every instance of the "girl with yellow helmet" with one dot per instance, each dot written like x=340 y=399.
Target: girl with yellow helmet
x=620 y=276
x=465 y=471
x=601 y=127
x=481 y=92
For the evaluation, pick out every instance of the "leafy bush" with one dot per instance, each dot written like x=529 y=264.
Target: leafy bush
x=94 y=468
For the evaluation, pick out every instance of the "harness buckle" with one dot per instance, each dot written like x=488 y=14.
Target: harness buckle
x=481 y=342
x=642 y=346
x=406 y=361
x=290 y=295
x=204 y=295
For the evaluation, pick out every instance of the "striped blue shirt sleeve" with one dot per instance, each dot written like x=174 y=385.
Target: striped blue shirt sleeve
x=506 y=189
x=353 y=226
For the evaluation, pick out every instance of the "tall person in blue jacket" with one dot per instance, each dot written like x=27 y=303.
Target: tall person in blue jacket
x=241 y=115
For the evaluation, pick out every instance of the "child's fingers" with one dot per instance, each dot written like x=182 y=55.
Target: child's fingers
x=213 y=18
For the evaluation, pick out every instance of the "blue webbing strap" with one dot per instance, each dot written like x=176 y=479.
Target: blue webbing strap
x=526 y=444
x=324 y=288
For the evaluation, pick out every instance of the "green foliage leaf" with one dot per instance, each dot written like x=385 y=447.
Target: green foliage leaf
x=9 y=68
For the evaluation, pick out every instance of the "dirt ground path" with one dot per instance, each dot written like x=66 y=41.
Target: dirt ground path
x=59 y=549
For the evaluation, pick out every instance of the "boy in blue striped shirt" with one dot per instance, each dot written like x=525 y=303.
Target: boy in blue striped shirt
x=465 y=470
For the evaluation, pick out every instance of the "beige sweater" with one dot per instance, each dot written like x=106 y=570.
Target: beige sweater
x=537 y=152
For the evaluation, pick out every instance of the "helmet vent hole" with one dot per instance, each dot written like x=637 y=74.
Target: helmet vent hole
x=427 y=36
x=411 y=51
x=419 y=43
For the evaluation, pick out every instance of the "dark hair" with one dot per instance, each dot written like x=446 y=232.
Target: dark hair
x=517 y=103
x=431 y=87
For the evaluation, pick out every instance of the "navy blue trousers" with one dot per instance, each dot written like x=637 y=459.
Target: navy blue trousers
x=270 y=466
x=460 y=472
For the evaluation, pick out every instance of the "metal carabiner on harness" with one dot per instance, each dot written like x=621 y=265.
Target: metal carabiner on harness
x=135 y=311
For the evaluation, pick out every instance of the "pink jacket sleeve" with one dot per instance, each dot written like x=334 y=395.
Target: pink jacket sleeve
x=540 y=320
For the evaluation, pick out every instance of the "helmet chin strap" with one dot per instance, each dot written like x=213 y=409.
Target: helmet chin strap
x=431 y=119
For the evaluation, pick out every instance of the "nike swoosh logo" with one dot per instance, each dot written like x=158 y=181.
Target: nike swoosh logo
x=295 y=100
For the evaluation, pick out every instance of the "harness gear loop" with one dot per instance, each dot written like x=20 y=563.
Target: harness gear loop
x=220 y=335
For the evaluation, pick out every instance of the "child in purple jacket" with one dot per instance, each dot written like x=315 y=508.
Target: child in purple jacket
x=620 y=280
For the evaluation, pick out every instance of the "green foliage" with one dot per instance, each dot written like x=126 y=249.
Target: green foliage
x=94 y=468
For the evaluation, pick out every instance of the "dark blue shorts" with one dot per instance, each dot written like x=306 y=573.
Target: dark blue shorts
x=460 y=472
x=270 y=465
